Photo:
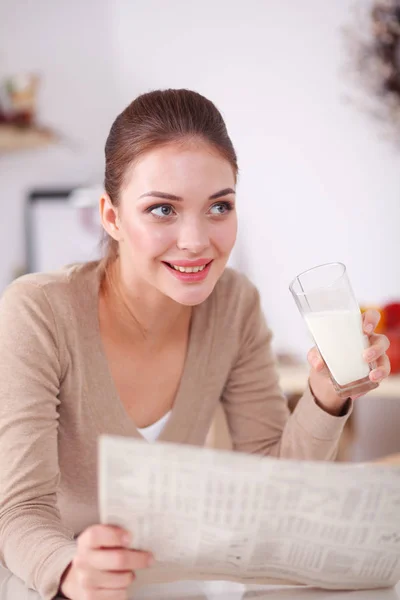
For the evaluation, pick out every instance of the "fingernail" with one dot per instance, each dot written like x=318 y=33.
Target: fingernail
x=369 y=328
x=126 y=539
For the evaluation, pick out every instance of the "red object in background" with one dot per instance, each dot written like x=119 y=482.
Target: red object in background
x=391 y=314
x=394 y=349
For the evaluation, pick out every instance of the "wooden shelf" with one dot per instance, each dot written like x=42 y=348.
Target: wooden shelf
x=14 y=138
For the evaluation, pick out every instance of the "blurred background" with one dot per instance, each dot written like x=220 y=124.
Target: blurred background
x=310 y=92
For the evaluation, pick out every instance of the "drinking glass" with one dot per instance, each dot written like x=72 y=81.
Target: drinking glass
x=328 y=305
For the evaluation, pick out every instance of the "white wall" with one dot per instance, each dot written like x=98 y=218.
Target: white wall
x=315 y=185
x=69 y=42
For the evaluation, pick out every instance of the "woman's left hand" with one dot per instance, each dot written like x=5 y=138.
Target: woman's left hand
x=320 y=381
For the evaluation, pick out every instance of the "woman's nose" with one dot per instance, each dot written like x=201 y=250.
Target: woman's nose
x=193 y=237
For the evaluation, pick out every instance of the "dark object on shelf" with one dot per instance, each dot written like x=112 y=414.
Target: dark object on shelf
x=386 y=43
x=374 y=51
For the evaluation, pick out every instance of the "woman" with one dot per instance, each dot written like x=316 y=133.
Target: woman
x=143 y=343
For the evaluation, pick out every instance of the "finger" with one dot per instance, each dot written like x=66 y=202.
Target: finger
x=379 y=345
x=370 y=318
x=104 y=536
x=382 y=369
x=92 y=579
x=118 y=560
x=315 y=360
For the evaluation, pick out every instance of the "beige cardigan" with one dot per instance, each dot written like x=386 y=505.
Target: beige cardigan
x=57 y=396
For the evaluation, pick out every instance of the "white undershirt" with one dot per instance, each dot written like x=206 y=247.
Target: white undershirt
x=152 y=432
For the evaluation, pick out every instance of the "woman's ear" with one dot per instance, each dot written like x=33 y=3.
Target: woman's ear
x=109 y=217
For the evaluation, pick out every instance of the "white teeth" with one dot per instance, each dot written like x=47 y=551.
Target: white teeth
x=189 y=269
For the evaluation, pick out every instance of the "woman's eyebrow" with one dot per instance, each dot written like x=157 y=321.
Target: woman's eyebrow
x=162 y=195
x=165 y=196
x=224 y=192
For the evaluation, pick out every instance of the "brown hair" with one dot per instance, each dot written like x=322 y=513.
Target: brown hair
x=156 y=119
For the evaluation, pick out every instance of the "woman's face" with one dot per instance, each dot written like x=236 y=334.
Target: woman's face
x=176 y=223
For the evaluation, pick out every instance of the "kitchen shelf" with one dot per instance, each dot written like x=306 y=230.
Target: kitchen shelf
x=16 y=138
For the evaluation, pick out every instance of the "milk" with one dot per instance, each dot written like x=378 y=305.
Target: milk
x=341 y=342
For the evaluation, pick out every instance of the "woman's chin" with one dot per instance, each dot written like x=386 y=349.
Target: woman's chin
x=185 y=290
x=192 y=295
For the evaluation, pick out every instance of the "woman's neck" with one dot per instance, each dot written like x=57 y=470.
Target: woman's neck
x=149 y=317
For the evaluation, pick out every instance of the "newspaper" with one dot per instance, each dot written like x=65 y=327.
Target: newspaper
x=250 y=518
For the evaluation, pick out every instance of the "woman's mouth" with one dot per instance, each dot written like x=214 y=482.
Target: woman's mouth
x=189 y=273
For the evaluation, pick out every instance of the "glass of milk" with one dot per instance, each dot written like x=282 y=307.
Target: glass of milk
x=326 y=300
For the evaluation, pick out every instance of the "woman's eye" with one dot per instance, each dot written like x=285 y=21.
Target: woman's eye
x=221 y=208
x=165 y=210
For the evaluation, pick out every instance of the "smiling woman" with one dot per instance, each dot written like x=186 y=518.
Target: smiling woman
x=176 y=209
x=147 y=343
x=170 y=191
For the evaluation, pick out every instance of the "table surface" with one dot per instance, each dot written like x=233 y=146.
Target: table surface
x=12 y=588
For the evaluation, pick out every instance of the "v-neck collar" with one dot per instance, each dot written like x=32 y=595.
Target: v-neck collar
x=180 y=423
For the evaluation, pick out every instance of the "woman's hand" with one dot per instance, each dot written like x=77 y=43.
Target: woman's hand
x=320 y=381
x=103 y=567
